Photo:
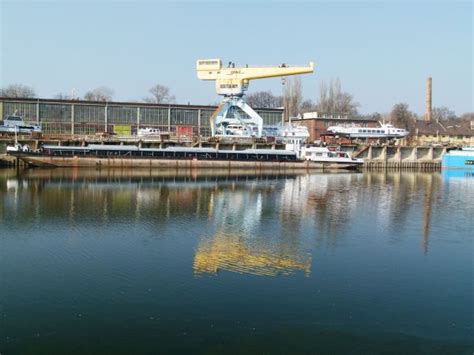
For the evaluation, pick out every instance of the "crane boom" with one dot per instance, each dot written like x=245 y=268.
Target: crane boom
x=233 y=81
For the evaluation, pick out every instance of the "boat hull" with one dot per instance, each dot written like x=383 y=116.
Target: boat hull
x=36 y=160
x=458 y=161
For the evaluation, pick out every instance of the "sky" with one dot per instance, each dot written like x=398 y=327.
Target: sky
x=382 y=52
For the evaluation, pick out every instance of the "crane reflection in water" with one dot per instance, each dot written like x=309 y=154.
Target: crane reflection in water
x=240 y=243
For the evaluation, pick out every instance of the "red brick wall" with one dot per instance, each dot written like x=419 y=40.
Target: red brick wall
x=316 y=127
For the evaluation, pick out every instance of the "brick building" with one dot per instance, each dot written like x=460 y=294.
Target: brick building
x=451 y=132
x=317 y=123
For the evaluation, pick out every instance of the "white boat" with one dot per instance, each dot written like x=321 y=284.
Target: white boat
x=17 y=147
x=330 y=158
x=148 y=132
x=16 y=124
x=286 y=133
x=384 y=131
x=289 y=131
x=237 y=130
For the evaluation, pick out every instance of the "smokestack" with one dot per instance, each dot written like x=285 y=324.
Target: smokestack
x=428 y=99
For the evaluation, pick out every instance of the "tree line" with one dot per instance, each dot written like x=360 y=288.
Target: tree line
x=332 y=100
x=158 y=94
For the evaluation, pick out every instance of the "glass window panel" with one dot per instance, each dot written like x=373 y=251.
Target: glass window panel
x=153 y=116
x=55 y=112
x=89 y=113
x=122 y=114
x=24 y=109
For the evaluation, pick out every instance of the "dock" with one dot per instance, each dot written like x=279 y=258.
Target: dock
x=401 y=157
x=375 y=157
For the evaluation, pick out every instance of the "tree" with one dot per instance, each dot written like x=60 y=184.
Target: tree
x=375 y=116
x=62 y=96
x=264 y=99
x=401 y=117
x=308 y=106
x=160 y=95
x=18 y=91
x=292 y=96
x=333 y=100
x=100 y=94
x=442 y=113
x=468 y=116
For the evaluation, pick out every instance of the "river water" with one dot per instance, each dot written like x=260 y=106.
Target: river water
x=119 y=261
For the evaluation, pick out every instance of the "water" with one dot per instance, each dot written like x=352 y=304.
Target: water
x=132 y=262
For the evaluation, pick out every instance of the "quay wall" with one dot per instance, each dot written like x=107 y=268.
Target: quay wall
x=386 y=157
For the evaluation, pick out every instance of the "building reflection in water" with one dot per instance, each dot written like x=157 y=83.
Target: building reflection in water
x=262 y=225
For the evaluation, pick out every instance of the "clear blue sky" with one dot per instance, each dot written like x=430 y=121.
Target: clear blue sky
x=381 y=51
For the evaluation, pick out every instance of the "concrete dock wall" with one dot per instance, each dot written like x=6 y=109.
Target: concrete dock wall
x=386 y=157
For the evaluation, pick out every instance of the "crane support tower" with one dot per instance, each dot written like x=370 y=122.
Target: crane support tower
x=232 y=82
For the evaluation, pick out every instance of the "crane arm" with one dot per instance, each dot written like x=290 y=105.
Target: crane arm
x=234 y=80
x=261 y=73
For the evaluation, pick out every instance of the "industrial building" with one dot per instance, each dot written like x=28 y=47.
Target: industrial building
x=77 y=117
x=317 y=123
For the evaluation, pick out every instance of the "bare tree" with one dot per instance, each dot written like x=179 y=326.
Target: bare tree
x=292 y=96
x=100 y=94
x=64 y=96
x=264 y=99
x=375 y=116
x=468 y=116
x=160 y=95
x=442 y=113
x=308 y=106
x=401 y=117
x=18 y=91
x=333 y=100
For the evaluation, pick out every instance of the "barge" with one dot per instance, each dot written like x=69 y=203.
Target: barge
x=131 y=156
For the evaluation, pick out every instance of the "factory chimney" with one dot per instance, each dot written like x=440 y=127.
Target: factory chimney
x=428 y=112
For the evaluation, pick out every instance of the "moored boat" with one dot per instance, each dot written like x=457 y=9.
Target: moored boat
x=16 y=124
x=171 y=157
x=330 y=157
x=459 y=159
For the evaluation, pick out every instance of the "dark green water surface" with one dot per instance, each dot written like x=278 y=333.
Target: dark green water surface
x=130 y=262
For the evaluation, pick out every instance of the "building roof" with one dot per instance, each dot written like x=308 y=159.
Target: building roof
x=345 y=119
x=121 y=103
x=454 y=127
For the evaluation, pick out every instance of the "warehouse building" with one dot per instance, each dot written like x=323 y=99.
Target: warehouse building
x=76 y=117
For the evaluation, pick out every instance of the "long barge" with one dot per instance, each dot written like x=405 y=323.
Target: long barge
x=130 y=156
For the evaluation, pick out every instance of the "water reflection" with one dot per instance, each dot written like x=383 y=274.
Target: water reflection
x=379 y=257
x=241 y=242
x=235 y=253
x=265 y=224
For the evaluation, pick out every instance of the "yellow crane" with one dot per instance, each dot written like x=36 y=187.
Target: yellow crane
x=232 y=82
